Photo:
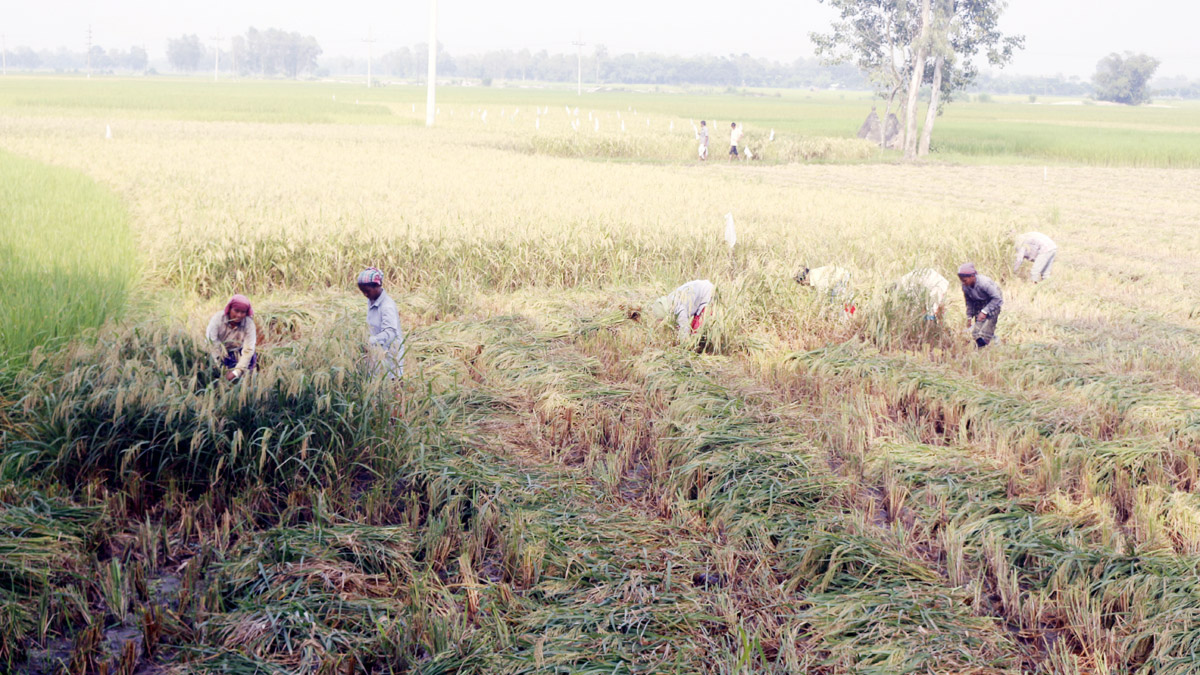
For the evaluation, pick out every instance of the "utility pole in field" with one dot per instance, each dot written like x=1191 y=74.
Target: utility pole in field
x=370 y=42
x=89 y=52
x=217 y=58
x=430 y=107
x=4 y=52
x=579 y=61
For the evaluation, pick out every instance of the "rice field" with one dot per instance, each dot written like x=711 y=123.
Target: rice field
x=558 y=486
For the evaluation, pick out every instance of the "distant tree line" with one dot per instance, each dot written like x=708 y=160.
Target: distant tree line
x=266 y=53
x=601 y=68
x=134 y=59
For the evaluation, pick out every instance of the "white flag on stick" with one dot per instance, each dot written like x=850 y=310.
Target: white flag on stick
x=730 y=231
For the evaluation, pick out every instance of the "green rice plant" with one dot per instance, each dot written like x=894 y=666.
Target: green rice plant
x=67 y=259
x=149 y=403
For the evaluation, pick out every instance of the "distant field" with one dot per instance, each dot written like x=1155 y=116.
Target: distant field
x=559 y=485
x=1011 y=129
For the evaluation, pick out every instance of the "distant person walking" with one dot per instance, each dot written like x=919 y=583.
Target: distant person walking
x=385 y=347
x=703 y=134
x=1038 y=248
x=233 y=337
x=735 y=137
x=983 y=299
x=686 y=305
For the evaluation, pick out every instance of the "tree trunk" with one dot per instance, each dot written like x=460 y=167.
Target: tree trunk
x=935 y=98
x=914 y=84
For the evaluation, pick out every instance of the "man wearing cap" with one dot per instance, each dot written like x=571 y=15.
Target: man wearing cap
x=385 y=347
x=983 y=299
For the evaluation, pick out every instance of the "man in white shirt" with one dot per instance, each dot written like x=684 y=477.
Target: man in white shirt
x=1040 y=249
x=735 y=137
x=686 y=305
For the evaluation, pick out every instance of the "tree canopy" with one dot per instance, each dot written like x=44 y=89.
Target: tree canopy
x=185 y=52
x=1124 y=78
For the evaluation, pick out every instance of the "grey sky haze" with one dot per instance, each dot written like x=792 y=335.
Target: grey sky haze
x=1062 y=36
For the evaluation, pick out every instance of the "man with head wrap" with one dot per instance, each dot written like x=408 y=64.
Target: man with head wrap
x=685 y=305
x=385 y=347
x=233 y=337
x=984 y=300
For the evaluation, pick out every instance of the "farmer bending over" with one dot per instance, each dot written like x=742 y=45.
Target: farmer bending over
x=927 y=287
x=233 y=337
x=831 y=280
x=1040 y=249
x=983 y=304
x=385 y=347
x=686 y=304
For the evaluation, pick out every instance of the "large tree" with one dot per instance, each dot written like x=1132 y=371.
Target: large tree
x=905 y=44
x=185 y=52
x=874 y=35
x=1124 y=79
x=962 y=30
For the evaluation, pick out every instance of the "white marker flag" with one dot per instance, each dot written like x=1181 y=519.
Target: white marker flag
x=108 y=132
x=772 y=137
x=730 y=231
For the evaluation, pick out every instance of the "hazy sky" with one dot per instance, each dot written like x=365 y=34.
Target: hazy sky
x=1062 y=36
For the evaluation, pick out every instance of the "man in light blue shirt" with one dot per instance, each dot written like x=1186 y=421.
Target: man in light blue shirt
x=385 y=347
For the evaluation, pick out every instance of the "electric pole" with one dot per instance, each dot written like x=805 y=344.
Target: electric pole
x=430 y=108
x=89 y=52
x=579 y=61
x=217 y=58
x=4 y=52
x=370 y=42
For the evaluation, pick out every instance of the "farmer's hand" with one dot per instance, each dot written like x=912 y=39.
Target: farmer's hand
x=232 y=375
x=981 y=318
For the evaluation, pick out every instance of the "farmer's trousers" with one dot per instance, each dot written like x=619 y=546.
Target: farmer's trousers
x=1041 y=265
x=985 y=331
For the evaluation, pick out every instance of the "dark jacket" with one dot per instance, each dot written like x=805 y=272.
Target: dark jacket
x=984 y=297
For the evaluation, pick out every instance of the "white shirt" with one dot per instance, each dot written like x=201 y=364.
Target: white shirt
x=735 y=136
x=231 y=337
x=687 y=301
x=925 y=284
x=1030 y=245
x=383 y=320
x=831 y=279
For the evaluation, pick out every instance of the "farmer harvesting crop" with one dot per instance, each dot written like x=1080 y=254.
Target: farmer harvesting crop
x=927 y=287
x=686 y=304
x=703 y=133
x=232 y=336
x=830 y=280
x=735 y=137
x=1040 y=249
x=983 y=303
x=385 y=347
